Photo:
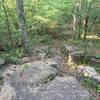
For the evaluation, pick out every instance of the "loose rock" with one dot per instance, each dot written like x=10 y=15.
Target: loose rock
x=89 y=71
x=2 y=62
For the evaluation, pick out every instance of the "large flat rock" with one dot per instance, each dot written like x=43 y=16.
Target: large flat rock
x=63 y=88
x=31 y=83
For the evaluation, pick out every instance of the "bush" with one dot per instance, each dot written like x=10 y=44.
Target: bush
x=13 y=56
x=89 y=83
x=41 y=39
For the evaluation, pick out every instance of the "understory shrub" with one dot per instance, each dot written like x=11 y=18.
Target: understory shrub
x=13 y=56
x=36 y=39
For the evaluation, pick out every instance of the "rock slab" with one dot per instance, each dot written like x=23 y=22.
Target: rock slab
x=30 y=82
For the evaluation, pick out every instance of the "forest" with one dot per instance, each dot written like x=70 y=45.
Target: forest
x=45 y=45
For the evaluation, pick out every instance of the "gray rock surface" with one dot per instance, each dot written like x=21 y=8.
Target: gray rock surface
x=63 y=88
x=77 y=56
x=7 y=92
x=38 y=81
x=70 y=48
x=41 y=51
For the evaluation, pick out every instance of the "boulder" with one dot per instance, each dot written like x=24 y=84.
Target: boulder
x=61 y=88
x=89 y=71
x=77 y=56
x=41 y=51
x=37 y=71
x=27 y=75
x=39 y=81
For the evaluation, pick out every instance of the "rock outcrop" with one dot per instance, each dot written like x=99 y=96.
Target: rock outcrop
x=39 y=81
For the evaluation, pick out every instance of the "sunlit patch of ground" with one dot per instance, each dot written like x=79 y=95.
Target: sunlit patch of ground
x=93 y=37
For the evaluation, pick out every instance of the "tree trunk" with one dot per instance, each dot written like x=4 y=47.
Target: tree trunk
x=86 y=19
x=85 y=25
x=12 y=16
x=77 y=19
x=22 y=24
x=74 y=23
x=8 y=25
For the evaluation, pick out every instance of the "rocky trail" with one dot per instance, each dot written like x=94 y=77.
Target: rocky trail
x=44 y=76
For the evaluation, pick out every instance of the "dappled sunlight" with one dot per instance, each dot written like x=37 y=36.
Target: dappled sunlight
x=47 y=21
x=47 y=47
x=93 y=37
x=40 y=18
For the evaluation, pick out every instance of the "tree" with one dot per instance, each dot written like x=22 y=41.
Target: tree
x=22 y=23
x=85 y=15
x=86 y=18
x=8 y=24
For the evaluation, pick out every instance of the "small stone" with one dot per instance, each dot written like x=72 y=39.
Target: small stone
x=70 y=48
x=2 y=62
x=25 y=59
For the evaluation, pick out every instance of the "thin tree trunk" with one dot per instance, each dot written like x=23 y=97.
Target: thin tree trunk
x=85 y=25
x=22 y=23
x=12 y=17
x=8 y=25
x=77 y=19
x=74 y=23
x=86 y=20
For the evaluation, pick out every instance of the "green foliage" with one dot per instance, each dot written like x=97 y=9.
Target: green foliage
x=98 y=88
x=37 y=39
x=98 y=56
x=79 y=42
x=13 y=56
x=41 y=15
x=26 y=66
x=89 y=83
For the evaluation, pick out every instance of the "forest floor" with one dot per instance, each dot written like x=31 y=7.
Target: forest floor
x=45 y=88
